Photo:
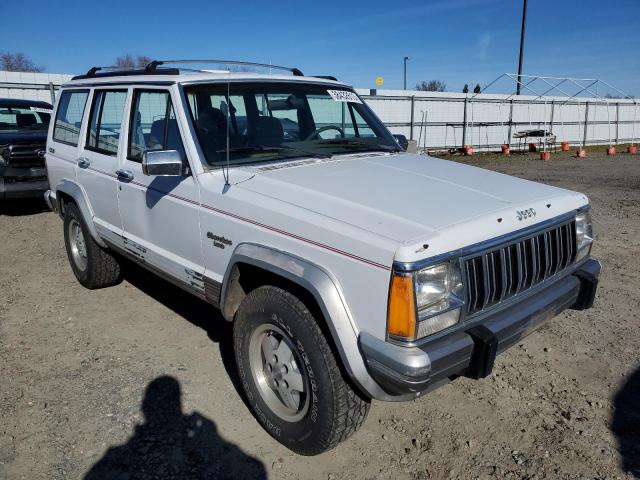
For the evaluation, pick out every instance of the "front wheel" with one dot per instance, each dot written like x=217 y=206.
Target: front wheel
x=290 y=376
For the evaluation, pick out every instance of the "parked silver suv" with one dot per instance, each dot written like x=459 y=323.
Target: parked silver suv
x=351 y=270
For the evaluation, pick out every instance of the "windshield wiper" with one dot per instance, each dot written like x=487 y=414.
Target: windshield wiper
x=359 y=143
x=267 y=149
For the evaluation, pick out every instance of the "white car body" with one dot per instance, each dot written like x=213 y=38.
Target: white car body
x=335 y=225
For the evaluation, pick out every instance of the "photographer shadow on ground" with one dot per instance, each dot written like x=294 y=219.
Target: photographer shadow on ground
x=626 y=423
x=173 y=445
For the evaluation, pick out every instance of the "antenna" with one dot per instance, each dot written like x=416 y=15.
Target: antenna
x=226 y=179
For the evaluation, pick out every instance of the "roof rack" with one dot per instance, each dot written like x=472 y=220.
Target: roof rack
x=94 y=72
x=152 y=66
x=326 y=77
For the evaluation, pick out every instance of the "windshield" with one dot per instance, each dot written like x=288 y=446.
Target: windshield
x=23 y=118
x=273 y=121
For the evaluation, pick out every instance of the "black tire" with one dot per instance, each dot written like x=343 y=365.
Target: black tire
x=335 y=410
x=101 y=268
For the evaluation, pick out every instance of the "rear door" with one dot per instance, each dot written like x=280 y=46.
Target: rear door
x=160 y=214
x=62 y=144
x=98 y=163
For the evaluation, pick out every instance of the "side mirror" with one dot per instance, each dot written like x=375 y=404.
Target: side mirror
x=402 y=141
x=162 y=163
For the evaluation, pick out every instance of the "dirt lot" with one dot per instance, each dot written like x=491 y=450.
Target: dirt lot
x=78 y=367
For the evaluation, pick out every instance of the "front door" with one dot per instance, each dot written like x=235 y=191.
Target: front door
x=159 y=214
x=98 y=162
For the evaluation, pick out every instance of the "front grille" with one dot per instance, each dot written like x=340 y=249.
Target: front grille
x=495 y=275
x=25 y=155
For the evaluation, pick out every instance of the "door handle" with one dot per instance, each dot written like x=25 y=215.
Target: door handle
x=83 y=162
x=125 y=175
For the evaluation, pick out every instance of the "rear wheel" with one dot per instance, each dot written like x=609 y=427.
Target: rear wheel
x=290 y=376
x=93 y=266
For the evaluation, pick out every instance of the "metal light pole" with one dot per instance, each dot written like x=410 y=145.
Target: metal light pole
x=405 y=72
x=524 y=22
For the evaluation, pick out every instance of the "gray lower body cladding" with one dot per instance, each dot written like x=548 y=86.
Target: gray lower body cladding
x=23 y=182
x=405 y=372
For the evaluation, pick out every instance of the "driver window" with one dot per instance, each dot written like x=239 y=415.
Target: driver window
x=153 y=125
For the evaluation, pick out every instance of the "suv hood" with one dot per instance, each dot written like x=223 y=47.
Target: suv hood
x=402 y=197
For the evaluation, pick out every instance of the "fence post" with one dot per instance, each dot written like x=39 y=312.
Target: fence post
x=464 y=124
x=510 y=121
x=52 y=90
x=553 y=107
x=413 y=104
x=617 y=122
x=586 y=124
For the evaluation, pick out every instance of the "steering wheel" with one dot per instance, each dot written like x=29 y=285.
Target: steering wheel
x=318 y=131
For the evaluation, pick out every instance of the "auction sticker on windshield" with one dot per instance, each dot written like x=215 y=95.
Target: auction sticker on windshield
x=40 y=109
x=344 y=96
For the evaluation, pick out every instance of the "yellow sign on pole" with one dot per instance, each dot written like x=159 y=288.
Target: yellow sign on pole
x=379 y=81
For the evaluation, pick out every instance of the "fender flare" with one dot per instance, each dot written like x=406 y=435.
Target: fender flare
x=76 y=192
x=327 y=293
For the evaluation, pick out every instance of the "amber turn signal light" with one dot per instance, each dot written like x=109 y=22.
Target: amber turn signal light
x=401 y=318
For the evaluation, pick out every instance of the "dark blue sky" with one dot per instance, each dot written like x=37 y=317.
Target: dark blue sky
x=457 y=41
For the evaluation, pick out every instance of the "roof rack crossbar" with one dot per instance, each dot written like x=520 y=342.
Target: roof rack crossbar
x=151 y=66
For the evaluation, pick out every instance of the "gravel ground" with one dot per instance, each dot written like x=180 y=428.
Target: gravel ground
x=141 y=374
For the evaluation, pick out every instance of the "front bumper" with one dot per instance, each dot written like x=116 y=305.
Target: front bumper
x=23 y=182
x=406 y=372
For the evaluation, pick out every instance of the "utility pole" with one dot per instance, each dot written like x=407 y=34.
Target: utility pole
x=522 y=30
x=405 y=72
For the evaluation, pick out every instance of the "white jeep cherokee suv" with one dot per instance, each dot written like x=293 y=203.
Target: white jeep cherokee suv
x=351 y=270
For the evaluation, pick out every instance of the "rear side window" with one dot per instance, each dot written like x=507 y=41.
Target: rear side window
x=153 y=124
x=105 y=121
x=69 y=116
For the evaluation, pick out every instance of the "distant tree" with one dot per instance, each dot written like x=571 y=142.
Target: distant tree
x=477 y=88
x=431 y=86
x=610 y=96
x=465 y=89
x=128 y=61
x=238 y=68
x=143 y=60
x=18 y=62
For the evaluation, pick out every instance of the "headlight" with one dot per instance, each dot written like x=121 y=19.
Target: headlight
x=425 y=302
x=584 y=233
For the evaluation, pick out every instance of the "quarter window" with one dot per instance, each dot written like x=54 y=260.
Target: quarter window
x=153 y=125
x=69 y=116
x=105 y=121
